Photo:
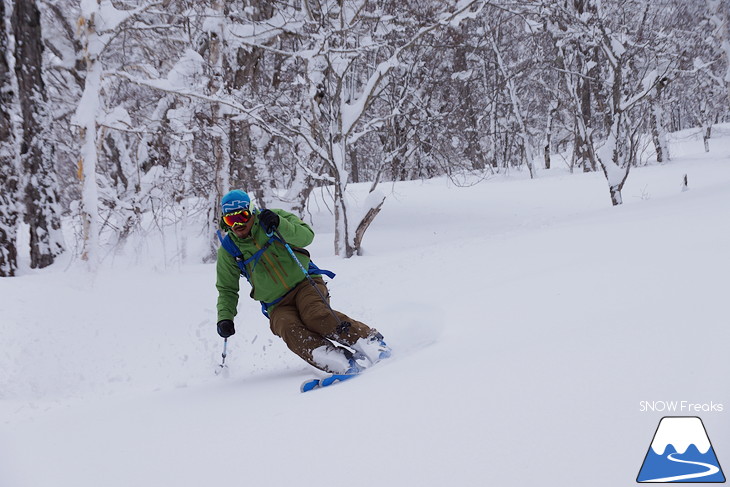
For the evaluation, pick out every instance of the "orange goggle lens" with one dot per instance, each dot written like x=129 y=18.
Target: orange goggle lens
x=237 y=218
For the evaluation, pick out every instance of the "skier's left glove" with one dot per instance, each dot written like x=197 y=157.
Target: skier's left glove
x=226 y=328
x=269 y=221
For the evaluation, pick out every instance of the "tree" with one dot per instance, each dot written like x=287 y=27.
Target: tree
x=29 y=184
x=175 y=102
x=624 y=74
x=719 y=17
x=8 y=156
x=40 y=194
x=348 y=58
x=99 y=25
x=526 y=149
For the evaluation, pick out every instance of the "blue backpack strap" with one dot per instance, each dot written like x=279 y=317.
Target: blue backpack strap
x=265 y=306
x=235 y=252
x=257 y=256
x=314 y=270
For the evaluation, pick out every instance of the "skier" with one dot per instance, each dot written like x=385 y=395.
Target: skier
x=296 y=304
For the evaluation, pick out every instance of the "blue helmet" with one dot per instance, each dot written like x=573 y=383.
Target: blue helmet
x=235 y=200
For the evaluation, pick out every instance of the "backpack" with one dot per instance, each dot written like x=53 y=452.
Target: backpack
x=242 y=263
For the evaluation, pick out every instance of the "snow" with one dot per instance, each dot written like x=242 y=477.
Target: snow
x=689 y=431
x=352 y=112
x=185 y=70
x=528 y=319
x=331 y=358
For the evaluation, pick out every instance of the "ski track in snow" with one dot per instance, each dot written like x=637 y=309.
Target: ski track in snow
x=527 y=321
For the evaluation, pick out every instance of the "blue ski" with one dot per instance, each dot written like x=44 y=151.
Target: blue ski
x=309 y=385
x=312 y=384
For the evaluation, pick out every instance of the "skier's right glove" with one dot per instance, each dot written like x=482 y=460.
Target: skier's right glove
x=226 y=328
x=269 y=221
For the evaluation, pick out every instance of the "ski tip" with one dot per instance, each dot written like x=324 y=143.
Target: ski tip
x=309 y=385
x=336 y=378
x=332 y=379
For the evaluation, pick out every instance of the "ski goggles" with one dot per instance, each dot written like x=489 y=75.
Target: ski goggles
x=240 y=217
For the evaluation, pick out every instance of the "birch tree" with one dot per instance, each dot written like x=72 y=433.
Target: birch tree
x=98 y=24
x=214 y=125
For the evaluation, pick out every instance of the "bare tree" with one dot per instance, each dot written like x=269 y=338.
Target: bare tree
x=623 y=72
x=348 y=61
x=175 y=102
x=719 y=17
x=527 y=151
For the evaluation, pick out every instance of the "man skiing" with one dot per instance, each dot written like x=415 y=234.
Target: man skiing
x=297 y=304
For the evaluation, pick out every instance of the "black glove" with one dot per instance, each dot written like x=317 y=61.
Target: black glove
x=226 y=328
x=269 y=221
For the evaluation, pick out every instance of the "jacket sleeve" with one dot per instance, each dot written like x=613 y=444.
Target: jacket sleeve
x=294 y=230
x=227 y=283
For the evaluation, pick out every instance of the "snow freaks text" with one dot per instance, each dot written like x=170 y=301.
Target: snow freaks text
x=680 y=407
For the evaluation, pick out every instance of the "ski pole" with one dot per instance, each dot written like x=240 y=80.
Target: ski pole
x=223 y=365
x=343 y=324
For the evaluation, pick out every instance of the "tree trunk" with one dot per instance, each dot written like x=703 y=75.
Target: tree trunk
x=90 y=100
x=616 y=198
x=658 y=133
x=582 y=140
x=246 y=78
x=41 y=194
x=354 y=166
x=614 y=160
x=8 y=162
x=720 y=19
x=547 y=150
x=217 y=129
x=523 y=136
x=365 y=223
x=342 y=233
x=86 y=119
x=249 y=78
x=245 y=173
x=706 y=136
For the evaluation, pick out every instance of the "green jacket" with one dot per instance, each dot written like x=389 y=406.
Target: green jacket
x=273 y=275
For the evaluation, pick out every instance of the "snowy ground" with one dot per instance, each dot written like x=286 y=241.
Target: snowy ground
x=529 y=320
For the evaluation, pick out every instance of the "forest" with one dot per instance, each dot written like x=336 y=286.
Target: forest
x=119 y=118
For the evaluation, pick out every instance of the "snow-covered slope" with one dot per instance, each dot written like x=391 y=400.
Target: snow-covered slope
x=528 y=320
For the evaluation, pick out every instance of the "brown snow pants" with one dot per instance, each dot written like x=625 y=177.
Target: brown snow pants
x=305 y=323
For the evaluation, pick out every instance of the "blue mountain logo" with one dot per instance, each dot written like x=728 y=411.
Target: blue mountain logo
x=681 y=452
